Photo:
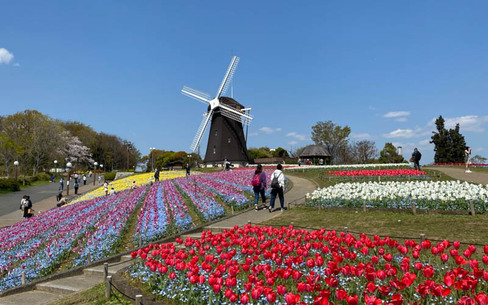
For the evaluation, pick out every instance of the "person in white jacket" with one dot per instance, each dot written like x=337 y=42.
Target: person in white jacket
x=277 y=189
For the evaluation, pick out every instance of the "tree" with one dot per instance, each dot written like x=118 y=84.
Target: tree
x=256 y=153
x=364 y=151
x=478 y=159
x=333 y=137
x=75 y=151
x=280 y=152
x=440 y=139
x=389 y=155
x=457 y=145
x=449 y=145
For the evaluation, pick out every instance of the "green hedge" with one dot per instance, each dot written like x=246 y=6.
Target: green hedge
x=9 y=184
x=109 y=176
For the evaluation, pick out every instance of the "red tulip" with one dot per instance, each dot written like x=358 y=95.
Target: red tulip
x=292 y=299
x=244 y=298
x=281 y=289
x=271 y=297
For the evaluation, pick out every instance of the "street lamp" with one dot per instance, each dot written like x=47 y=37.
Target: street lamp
x=68 y=165
x=95 y=172
x=152 y=157
x=16 y=163
x=55 y=167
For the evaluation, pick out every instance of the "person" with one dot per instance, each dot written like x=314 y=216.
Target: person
x=279 y=189
x=61 y=184
x=112 y=191
x=105 y=187
x=467 y=153
x=134 y=184
x=84 y=179
x=156 y=175
x=61 y=201
x=416 y=155
x=76 y=187
x=76 y=177
x=99 y=179
x=26 y=207
x=52 y=178
x=187 y=169
x=259 y=189
x=299 y=162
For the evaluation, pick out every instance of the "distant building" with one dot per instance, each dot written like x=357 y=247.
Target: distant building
x=315 y=153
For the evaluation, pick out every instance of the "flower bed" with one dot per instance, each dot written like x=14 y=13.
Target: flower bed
x=39 y=244
x=350 y=167
x=438 y=195
x=163 y=207
x=126 y=183
x=261 y=265
x=201 y=198
x=378 y=172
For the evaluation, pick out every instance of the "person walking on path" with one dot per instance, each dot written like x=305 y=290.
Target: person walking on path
x=277 y=187
x=61 y=184
x=259 y=185
x=84 y=179
x=76 y=187
x=416 y=155
x=467 y=153
x=26 y=207
x=156 y=175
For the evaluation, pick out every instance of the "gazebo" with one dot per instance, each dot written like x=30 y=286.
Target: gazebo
x=317 y=154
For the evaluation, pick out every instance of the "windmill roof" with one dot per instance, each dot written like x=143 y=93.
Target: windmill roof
x=315 y=151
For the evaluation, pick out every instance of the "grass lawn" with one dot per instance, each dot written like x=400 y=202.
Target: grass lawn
x=464 y=228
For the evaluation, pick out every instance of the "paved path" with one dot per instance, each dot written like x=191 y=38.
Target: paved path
x=43 y=198
x=459 y=173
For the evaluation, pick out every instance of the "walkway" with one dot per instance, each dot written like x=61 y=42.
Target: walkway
x=460 y=174
x=43 y=198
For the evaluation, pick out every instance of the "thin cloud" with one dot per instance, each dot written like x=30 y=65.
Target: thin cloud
x=396 y=114
x=269 y=130
x=401 y=133
x=298 y=136
x=293 y=143
x=5 y=56
x=361 y=136
x=466 y=123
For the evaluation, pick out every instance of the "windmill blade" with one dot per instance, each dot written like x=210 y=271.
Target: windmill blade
x=200 y=131
x=195 y=94
x=228 y=76
x=235 y=114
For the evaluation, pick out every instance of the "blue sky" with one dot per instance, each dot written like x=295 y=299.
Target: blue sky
x=386 y=69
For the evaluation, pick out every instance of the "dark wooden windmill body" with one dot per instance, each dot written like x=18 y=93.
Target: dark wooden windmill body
x=226 y=141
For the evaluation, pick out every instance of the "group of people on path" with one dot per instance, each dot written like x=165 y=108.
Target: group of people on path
x=277 y=185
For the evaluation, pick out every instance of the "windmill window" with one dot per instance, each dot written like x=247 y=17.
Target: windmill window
x=216 y=133
x=228 y=140
x=214 y=150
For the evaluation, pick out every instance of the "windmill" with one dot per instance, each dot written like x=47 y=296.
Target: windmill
x=226 y=136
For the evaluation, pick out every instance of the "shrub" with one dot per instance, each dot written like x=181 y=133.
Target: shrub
x=43 y=177
x=9 y=184
x=109 y=176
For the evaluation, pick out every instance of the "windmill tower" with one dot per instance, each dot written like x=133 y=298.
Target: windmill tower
x=226 y=136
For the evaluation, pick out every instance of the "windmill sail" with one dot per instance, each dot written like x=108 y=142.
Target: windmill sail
x=200 y=131
x=228 y=76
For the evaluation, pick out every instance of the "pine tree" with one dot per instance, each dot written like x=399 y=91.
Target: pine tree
x=449 y=144
x=440 y=139
x=458 y=145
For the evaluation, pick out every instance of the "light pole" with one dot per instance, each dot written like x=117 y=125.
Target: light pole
x=152 y=158
x=68 y=165
x=95 y=172
x=16 y=163
x=55 y=167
